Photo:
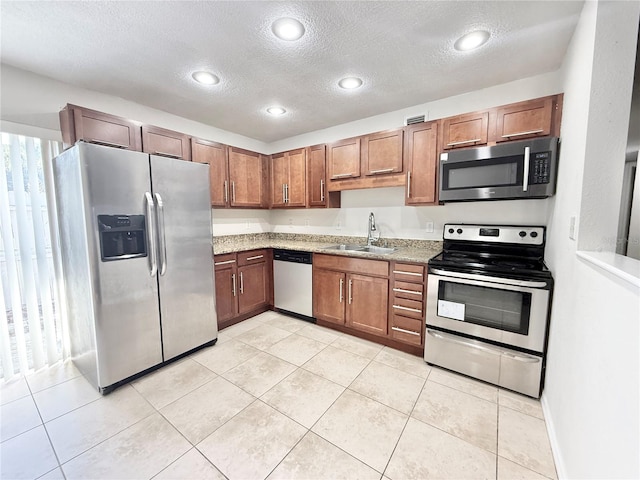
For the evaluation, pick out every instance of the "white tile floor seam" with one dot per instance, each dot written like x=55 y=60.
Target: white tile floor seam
x=304 y=387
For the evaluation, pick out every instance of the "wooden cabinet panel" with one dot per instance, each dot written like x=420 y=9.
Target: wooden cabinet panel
x=316 y=176
x=246 y=178
x=226 y=294
x=215 y=155
x=524 y=120
x=382 y=152
x=367 y=303
x=329 y=295
x=167 y=143
x=78 y=123
x=407 y=312
x=350 y=264
x=406 y=330
x=253 y=287
x=465 y=130
x=422 y=163
x=252 y=256
x=288 y=173
x=344 y=159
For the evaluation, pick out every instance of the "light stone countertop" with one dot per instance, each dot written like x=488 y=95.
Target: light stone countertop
x=408 y=250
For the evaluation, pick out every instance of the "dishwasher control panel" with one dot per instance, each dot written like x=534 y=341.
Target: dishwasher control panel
x=294 y=256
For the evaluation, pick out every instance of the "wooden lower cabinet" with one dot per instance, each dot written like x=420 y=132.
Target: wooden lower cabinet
x=351 y=292
x=244 y=285
x=407 y=298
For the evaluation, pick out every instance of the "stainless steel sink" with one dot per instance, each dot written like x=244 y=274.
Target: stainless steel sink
x=362 y=249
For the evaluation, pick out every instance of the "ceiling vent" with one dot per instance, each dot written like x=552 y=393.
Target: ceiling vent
x=416 y=119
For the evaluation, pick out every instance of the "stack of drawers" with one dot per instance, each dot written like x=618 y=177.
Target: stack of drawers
x=407 y=303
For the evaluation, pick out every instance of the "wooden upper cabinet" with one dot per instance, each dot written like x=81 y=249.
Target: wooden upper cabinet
x=528 y=119
x=246 y=183
x=382 y=152
x=215 y=155
x=465 y=130
x=167 y=143
x=316 y=176
x=344 y=159
x=78 y=123
x=421 y=155
x=288 y=173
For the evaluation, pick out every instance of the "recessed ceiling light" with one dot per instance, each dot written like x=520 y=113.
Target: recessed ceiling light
x=206 y=78
x=471 y=40
x=276 y=111
x=287 y=29
x=350 y=83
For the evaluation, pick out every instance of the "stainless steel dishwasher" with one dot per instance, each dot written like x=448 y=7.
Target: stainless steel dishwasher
x=292 y=283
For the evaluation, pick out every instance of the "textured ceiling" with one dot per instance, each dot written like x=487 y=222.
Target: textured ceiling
x=146 y=51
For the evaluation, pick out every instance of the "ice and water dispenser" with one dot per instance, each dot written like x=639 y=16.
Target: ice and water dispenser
x=122 y=237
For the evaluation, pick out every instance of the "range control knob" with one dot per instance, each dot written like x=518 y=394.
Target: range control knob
x=533 y=234
x=459 y=231
x=522 y=233
x=451 y=230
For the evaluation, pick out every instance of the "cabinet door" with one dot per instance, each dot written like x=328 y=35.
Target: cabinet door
x=524 y=120
x=367 y=303
x=279 y=182
x=465 y=130
x=329 y=298
x=166 y=143
x=245 y=177
x=382 y=152
x=296 y=185
x=344 y=159
x=316 y=176
x=422 y=163
x=214 y=154
x=97 y=127
x=226 y=293
x=253 y=287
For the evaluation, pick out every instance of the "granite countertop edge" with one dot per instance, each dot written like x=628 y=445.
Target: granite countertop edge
x=408 y=250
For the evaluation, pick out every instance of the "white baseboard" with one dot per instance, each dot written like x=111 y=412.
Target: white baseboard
x=553 y=440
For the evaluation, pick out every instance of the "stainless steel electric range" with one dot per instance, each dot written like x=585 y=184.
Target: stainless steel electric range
x=488 y=303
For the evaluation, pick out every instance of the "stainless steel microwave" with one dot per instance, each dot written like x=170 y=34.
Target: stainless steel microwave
x=524 y=169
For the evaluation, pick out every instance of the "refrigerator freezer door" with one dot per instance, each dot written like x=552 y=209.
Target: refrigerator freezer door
x=115 y=328
x=185 y=264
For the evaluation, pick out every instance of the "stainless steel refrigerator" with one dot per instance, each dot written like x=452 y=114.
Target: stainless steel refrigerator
x=135 y=235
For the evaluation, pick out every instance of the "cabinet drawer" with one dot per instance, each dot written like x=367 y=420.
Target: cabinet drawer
x=227 y=260
x=408 y=308
x=408 y=272
x=378 y=268
x=406 y=330
x=252 y=256
x=411 y=291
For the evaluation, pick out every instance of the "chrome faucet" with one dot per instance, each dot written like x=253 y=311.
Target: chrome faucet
x=371 y=237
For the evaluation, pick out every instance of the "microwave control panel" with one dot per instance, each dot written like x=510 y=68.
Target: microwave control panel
x=540 y=167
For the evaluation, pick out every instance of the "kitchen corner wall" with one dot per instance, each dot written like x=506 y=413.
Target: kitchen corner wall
x=592 y=388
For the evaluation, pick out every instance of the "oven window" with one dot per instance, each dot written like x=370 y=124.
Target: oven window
x=502 y=172
x=490 y=307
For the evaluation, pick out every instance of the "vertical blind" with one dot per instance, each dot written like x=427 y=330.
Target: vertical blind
x=30 y=319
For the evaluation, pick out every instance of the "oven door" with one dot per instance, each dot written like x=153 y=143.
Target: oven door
x=511 y=312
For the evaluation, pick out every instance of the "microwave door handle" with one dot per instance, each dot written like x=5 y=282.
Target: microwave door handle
x=525 y=174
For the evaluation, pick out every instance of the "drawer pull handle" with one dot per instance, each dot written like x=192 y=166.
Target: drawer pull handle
x=409 y=184
x=233 y=284
x=321 y=190
x=400 y=307
x=341 y=285
x=412 y=292
x=410 y=332
x=453 y=144
x=108 y=144
x=224 y=263
x=400 y=272
x=241 y=284
x=519 y=134
x=256 y=257
x=342 y=175
x=165 y=154
x=350 y=291
x=226 y=192
x=383 y=170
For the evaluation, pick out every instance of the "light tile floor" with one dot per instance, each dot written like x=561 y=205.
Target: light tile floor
x=275 y=398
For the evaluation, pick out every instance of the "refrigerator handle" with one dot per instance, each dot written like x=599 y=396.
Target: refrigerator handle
x=151 y=237
x=161 y=237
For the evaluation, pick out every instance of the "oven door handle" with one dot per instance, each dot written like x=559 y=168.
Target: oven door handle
x=485 y=278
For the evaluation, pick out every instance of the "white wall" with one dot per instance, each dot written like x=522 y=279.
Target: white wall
x=591 y=395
